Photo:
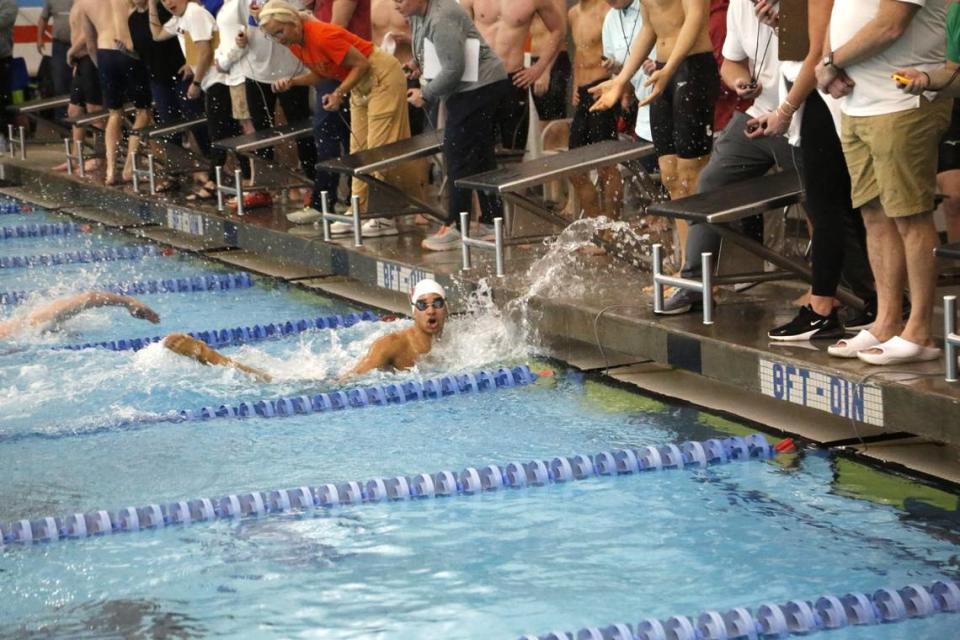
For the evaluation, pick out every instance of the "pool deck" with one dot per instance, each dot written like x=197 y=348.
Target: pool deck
x=729 y=366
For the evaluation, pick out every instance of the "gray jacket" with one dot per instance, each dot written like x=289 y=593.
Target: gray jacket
x=8 y=16
x=448 y=26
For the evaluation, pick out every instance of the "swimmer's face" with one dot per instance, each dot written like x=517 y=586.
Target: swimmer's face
x=432 y=318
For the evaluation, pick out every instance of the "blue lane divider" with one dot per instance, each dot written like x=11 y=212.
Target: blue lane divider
x=73 y=257
x=357 y=398
x=472 y=480
x=797 y=617
x=214 y=282
x=42 y=230
x=217 y=338
x=8 y=208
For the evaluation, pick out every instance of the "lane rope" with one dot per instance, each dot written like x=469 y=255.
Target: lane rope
x=230 y=337
x=214 y=282
x=80 y=257
x=796 y=617
x=470 y=481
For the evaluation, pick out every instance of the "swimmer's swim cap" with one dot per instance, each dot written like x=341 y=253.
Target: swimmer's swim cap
x=426 y=286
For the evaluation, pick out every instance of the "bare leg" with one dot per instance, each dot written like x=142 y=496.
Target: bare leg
x=141 y=120
x=948 y=183
x=688 y=173
x=611 y=191
x=919 y=237
x=885 y=251
x=587 y=194
x=114 y=129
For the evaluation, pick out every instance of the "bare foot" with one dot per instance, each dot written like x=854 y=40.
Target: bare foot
x=421 y=219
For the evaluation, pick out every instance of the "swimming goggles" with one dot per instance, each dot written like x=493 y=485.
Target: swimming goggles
x=422 y=305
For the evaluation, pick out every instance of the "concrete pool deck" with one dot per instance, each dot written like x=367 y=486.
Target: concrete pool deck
x=576 y=302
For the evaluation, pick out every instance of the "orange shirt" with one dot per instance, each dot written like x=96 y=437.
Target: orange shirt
x=325 y=46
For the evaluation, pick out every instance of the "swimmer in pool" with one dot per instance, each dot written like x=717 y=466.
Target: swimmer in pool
x=184 y=345
x=50 y=316
x=402 y=349
x=397 y=350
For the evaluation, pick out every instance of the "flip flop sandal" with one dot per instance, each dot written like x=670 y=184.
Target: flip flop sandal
x=848 y=347
x=896 y=350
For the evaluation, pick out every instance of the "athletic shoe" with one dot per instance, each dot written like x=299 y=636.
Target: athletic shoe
x=379 y=227
x=306 y=215
x=340 y=228
x=809 y=325
x=252 y=200
x=446 y=239
x=681 y=301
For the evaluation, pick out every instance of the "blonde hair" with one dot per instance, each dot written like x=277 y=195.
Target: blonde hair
x=281 y=11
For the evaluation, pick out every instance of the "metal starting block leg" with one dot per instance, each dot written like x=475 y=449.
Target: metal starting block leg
x=468 y=243
x=352 y=220
x=951 y=341
x=149 y=173
x=704 y=286
x=236 y=190
x=19 y=141
x=75 y=157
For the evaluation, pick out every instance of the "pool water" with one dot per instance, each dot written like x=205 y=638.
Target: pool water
x=82 y=430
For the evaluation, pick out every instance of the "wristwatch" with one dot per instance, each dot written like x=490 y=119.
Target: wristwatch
x=828 y=60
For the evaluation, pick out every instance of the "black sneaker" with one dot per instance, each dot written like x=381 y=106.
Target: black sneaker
x=809 y=325
x=855 y=320
x=681 y=301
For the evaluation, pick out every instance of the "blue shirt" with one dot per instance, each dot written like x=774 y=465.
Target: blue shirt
x=620 y=29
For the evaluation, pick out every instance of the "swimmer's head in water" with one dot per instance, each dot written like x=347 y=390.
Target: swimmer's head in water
x=429 y=306
x=185 y=345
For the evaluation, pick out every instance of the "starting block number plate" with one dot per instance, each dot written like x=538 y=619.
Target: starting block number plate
x=185 y=221
x=823 y=391
x=398 y=277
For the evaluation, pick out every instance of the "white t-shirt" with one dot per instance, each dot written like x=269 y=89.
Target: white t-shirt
x=263 y=59
x=748 y=39
x=201 y=27
x=922 y=45
x=620 y=29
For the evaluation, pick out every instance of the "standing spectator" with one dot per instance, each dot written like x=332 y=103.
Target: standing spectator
x=620 y=29
x=586 y=25
x=330 y=131
x=505 y=26
x=838 y=244
x=373 y=80
x=890 y=144
x=8 y=16
x=728 y=101
x=59 y=12
x=263 y=63
x=468 y=144
x=170 y=78
x=685 y=85
x=751 y=68
x=199 y=37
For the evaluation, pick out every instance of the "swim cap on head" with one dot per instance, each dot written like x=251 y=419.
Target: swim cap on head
x=426 y=286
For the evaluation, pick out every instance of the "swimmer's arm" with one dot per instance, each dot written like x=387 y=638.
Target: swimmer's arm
x=381 y=355
x=156 y=27
x=190 y=347
x=887 y=26
x=696 y=13
x=60 y=310
x=642 y=46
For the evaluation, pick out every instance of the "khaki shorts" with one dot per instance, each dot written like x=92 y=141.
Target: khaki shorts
x=238 y=102
x=894 y=156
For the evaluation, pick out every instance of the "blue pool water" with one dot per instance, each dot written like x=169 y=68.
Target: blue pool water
x=78 y=432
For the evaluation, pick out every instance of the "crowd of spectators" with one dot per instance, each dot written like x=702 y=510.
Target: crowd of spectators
x=864 y=114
